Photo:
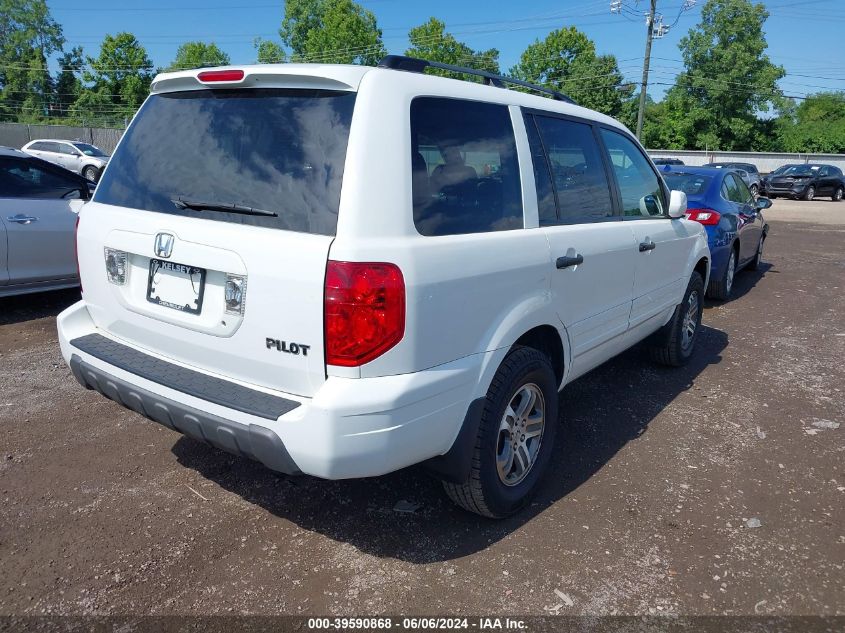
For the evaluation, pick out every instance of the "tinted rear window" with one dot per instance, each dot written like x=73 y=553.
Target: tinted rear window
x=276 y=150
x=690 y=184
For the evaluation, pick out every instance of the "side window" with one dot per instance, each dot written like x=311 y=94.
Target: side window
x=546 y=204
x=578 y=173
x=465 y=168
x=824 y=172
x=639 y=185
x=732 y=189
x=38 y=147
x=744 y=192
x=23 y=179
x=65 y=148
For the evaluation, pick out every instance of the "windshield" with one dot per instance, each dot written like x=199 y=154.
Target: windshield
x=802 y=170
x=90 y=150
x=690 y=184
x=277 y=150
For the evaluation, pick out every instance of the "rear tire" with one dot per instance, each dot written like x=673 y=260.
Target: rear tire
x=837 y=195
x=674 y=343
x=721 y=288
x=499 y=485
x=810 y=193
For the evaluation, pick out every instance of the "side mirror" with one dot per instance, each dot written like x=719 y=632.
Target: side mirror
x=677 y=204
x=762 y=203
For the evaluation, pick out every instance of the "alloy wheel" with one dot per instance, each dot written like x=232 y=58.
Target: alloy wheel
x=520 y=434
x=690 y=322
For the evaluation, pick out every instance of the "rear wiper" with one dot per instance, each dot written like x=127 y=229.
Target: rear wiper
x=202 y=205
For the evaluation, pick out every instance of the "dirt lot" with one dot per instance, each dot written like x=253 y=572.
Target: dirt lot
x=658 y=480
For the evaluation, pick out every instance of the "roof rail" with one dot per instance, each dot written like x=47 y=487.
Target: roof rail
x=415 y=65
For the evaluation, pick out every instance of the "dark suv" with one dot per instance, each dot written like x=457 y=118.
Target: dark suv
x=808 y=181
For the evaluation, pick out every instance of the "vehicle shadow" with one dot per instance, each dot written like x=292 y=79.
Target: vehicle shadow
x=598 y=421
x=744 y=282
x=38 y=305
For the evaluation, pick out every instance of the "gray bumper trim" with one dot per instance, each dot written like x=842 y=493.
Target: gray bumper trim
x=193 y=383
x=251 y=441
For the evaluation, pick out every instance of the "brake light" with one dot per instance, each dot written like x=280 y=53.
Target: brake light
x=364 y=310
x=76 y=250
x=210 y=76
x=708 y=217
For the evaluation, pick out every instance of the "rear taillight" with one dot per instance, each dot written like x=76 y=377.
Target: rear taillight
x=708 y=217
x=76 y=251
x=364 y=311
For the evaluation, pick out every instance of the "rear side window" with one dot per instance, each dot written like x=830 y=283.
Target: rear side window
x=273 y=150
x=26 y=179
x=575 y=163
x=465 y=168
x=639 y=186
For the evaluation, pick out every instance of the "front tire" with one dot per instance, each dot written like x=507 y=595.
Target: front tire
x=810 y=193
x=674 y=343
x=91 y=173
x=721 y=288
x=837 y=195
x=515 y=438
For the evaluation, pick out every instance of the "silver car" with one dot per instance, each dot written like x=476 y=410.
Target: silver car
x=81 y=158
x=39 y=203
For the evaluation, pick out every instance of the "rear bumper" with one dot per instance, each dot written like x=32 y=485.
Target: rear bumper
x=351 y=427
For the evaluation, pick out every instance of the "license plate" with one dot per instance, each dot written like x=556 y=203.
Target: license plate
x=176 y=286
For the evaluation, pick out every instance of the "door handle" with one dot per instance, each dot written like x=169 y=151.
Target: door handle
x=647 y=246
x=566 y=261
x=22 y=219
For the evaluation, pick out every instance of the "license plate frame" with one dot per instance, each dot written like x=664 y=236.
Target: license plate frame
x=176 y=269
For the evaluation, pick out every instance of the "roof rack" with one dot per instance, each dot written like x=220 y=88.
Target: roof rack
x=415 y=65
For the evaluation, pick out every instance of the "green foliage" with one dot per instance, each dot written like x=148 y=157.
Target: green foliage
x=28 y=36
x=68 y=81
x=269 y=52
x=566 y=60
x=728 y=80
x=331 y=32
x=817 y=124
x=198 y=55
x=118 y=80
x=430 y=41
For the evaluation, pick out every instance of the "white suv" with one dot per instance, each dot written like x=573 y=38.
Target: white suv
x=342 y=271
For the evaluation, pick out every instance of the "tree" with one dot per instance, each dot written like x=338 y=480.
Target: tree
x=332 y=32
x=566 y=60
x=28 y=37
x=431 y=41
x=728 y=79
x=269 y=52
x=68 y=83
x=118 y=80
x=817 y=124
x=198 y=55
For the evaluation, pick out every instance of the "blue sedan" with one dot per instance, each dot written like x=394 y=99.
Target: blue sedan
x=736 y=230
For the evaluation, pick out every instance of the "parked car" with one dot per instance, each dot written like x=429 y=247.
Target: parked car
x=764 y=180
x=736 y=229
x=76 y=156
x=748 y=172
x=807 y=182
x=667 y=161
x=484 y=248
x=38 y=211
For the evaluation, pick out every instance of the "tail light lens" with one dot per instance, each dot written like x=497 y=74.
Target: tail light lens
x=708 y=217
x=364 y=311
x=116 y=266
x=76 y=252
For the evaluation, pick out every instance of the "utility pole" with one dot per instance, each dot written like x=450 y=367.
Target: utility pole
x=649 y=20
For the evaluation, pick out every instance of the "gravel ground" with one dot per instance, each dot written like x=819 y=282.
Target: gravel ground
x=714 y=489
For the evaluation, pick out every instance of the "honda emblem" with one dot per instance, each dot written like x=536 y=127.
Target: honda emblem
x=164 y=245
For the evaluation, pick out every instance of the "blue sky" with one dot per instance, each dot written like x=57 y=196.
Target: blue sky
x=805 y=36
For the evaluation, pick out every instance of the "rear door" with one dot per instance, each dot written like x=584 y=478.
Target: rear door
x=662 y=245
x=36 y=203
x=593 y=251
x=4 y=270
x=747 y=217
x=236 y=292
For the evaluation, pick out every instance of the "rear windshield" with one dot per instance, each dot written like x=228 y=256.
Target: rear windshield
x=272 y=150
x=690 y=184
